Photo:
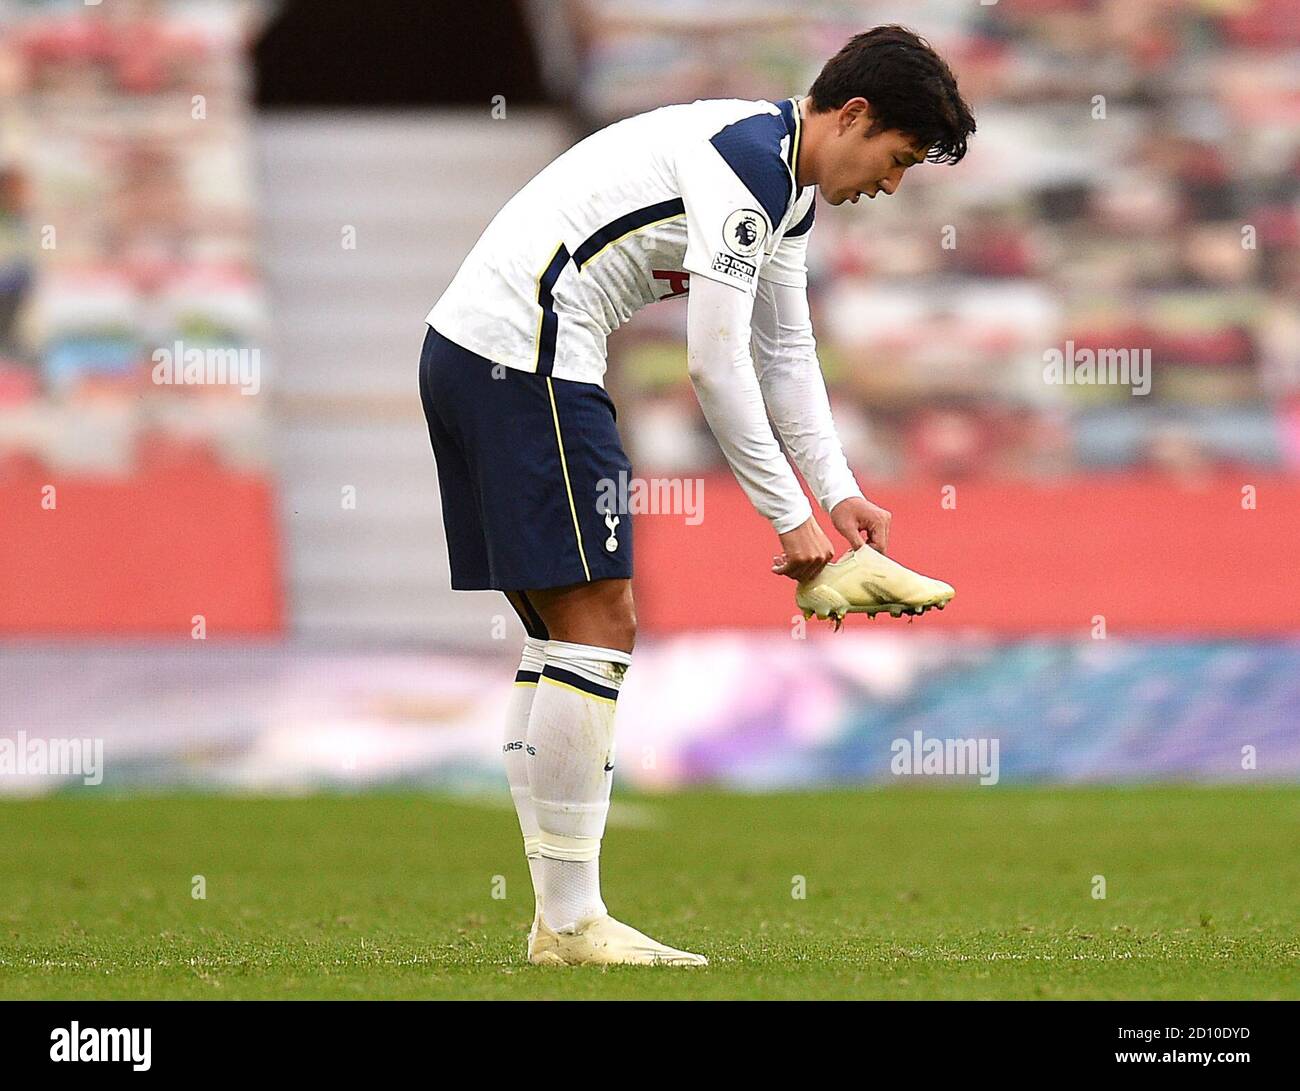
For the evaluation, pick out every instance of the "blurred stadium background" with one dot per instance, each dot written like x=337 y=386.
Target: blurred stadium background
x=245 y=586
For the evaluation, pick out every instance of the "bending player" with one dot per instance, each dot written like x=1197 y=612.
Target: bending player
x=718 y=195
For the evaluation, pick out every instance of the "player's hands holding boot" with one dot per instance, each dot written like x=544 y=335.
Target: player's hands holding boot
x=862 y=522
x=805 y=551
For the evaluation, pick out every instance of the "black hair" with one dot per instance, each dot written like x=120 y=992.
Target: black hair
x=908 y=85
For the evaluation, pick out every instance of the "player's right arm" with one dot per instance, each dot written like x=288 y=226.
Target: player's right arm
x=794 y=391
x=728 y=221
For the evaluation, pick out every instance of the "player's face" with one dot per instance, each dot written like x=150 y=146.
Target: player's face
x=857 y=164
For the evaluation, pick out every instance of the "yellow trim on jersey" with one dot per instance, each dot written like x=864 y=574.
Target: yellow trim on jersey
x=582 y=692
x=568 y=487
x=524 y=682
x=615 y=242
x=794 y=156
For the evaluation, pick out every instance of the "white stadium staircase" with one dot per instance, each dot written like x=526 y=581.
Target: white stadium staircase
x=347 y=325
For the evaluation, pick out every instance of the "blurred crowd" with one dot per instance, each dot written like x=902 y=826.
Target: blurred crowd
x=1134 y=184
x=126 y=227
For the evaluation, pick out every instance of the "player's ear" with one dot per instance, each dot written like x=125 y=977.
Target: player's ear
x=856 y=110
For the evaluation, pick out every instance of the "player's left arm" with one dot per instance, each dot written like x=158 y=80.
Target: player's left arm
x=794 y=391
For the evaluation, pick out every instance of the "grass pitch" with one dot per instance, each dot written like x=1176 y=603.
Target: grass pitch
x=909 y=894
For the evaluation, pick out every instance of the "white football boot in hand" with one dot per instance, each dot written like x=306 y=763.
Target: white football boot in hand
x=603 y=941
x=868 y=582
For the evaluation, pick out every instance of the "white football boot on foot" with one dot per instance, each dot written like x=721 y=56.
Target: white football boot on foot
x=867 y=582
x=603 y=941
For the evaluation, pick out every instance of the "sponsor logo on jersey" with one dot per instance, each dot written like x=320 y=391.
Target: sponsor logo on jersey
x=678 y=280
x=733 y=267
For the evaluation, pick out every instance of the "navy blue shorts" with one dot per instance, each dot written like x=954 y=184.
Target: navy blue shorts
x=527 y=468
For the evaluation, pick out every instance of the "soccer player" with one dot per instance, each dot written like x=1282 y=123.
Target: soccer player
x=713 y=201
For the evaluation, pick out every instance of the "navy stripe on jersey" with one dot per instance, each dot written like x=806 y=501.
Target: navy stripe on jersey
x=550 y=320
x=527 y=676
x=625 y=225
x=577 y=681
x=752 y=148
x=804 y=225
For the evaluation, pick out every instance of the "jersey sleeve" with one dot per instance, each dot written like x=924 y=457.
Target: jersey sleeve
x=721 y=368
x=794 y=390
x=788 y=263
x=733 y=198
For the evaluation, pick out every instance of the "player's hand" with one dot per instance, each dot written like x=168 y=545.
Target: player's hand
x=805 y=551
x=860 y=521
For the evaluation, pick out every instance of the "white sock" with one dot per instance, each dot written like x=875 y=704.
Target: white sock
x=570 y=756
x=516 y=759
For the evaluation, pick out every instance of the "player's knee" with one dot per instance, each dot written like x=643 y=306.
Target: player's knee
x=623 y=628
x=615 y=620
x=601 y=614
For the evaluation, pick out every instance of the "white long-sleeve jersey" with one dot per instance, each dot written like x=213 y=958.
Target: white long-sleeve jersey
x=627 y=217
